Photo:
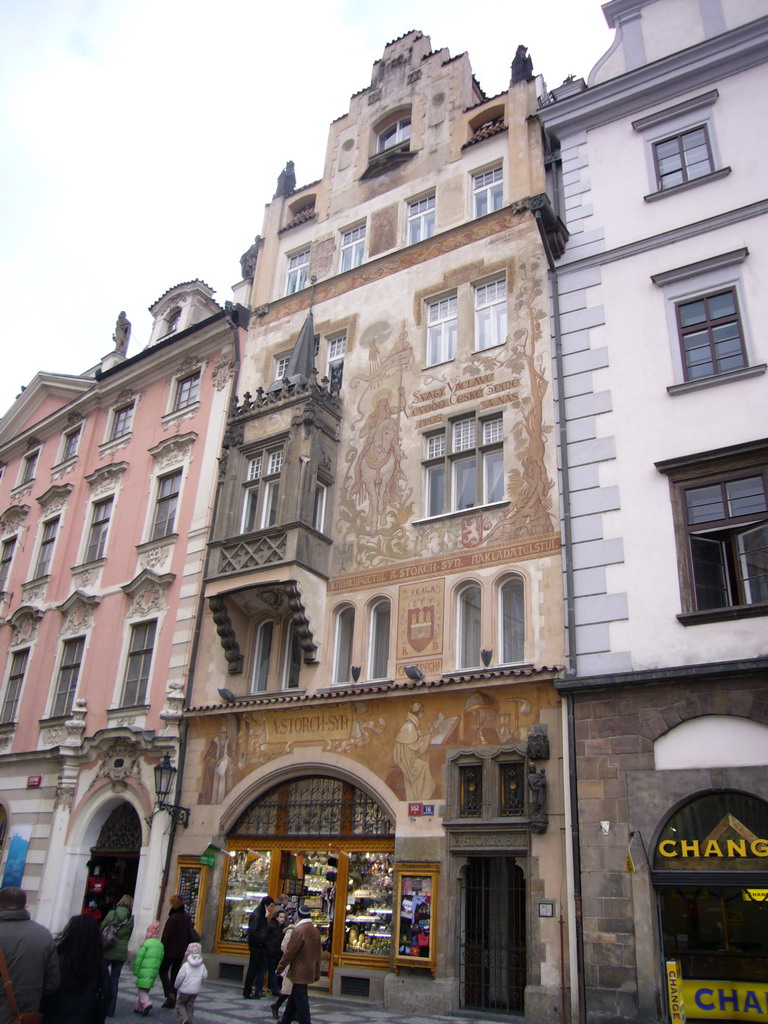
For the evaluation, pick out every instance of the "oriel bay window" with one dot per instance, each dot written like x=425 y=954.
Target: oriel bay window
x=465 y=465
x=262 y=490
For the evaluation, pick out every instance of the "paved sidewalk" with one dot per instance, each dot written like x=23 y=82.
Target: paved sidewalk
x=223 y=1001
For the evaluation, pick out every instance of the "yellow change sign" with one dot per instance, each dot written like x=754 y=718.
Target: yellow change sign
x=674 y=991
x=726 y=1000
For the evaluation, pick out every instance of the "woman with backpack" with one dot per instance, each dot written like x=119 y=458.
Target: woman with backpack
x=115 y=933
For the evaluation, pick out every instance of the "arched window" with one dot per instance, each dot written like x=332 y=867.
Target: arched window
x=394 y=134
x=342 y=661
x=512 y=620
x=261 y=657
x=469 y=627
x=292 y=659
x=379 y=647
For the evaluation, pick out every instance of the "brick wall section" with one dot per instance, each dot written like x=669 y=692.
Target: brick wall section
x=615 y=732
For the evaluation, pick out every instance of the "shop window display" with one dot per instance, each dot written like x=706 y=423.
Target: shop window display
x=246 y=884
x=368 y=928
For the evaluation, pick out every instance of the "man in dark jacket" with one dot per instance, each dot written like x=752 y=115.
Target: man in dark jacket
x=176 y=936
x=302 y=955
x=29 y=952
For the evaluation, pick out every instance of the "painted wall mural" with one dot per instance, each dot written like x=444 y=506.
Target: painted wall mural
x=399 y=739
x=391 y=403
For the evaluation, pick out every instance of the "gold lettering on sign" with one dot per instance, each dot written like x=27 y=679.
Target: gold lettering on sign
x=311 y=726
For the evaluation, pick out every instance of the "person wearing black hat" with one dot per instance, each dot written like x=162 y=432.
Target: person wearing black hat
x=302 y=955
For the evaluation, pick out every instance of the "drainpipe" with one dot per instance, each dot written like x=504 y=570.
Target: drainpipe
x=234 y=325
x=573 y=862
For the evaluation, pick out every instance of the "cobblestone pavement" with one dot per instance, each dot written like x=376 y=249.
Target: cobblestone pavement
x=223 y=1001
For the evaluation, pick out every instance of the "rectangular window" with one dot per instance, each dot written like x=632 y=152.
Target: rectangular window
x=123 y=421
x=512 y=786
x=71 y=443
x=29 y=467
x=97 y=538
x=187 y=391
x=421 y=219
x=6 y=557
x=441 y=331
x=710 y=335
x=166 y=504
x=476 y=468
x=490 y=314
x=352 y=247
x=321 y=499
x=335 y=370
x=47 y=542
x=138 y=664
x=487 y=191
x=69 y=671
x=281 y=366
x=271 y=498
x=470 y=790
x=250 y=509
x=262 y=490
x=13 y=689
x=254 y=468
x=683 y=157
x=298 y=269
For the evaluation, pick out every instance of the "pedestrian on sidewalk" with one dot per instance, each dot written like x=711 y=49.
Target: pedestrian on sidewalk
x=146 y=966
x=287 y=984
x=85 y=989
x=176 y=936
x=189 y=980
x=120 y=923
x=29 y=954
x=302 y=955
x=258 y=927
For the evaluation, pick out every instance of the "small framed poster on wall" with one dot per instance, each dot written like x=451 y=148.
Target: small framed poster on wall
x=415 y=915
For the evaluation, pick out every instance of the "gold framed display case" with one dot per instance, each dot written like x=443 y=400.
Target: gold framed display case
x=192 y=886
x=415 y=916
x=246 y=880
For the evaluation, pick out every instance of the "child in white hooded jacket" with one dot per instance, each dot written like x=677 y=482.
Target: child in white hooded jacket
x=191 y=976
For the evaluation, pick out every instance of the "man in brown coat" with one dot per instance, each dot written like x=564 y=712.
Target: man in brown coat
x=302 y=955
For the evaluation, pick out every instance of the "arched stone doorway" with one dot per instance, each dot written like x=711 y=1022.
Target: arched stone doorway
x=114 y=861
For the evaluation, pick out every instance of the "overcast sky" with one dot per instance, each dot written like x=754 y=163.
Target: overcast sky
x=140 y=139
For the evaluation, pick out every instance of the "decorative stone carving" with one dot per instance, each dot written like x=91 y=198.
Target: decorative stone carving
x=25 y=622
x=74 y=418
x=154 y=557
x=121 y=760
x=33 y=442
x=34 y=594
x=105 y=479
x=78 y=611
x=537 y=783
x=5 y=743
x=222 y=371
x=189 y=364
x=538 y=744
x=227 y=635
x=84 y=578
x=173 y=711
x=75 y=724
x=173 y=451
x=65 y=797
x=486 y=840
x=52 y=736
x=12 y=518
x=147 y=593
x=123 y=397
x=55 y=498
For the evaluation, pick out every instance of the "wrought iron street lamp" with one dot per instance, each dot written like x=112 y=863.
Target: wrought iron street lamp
x=165 y=777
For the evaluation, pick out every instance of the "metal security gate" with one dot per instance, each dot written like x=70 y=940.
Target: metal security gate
x=492 y=937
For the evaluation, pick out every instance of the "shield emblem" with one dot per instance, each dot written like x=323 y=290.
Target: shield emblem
x=421 y=626
x=471 y=531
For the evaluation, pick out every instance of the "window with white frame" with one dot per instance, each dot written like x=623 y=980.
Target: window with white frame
x=335 y=368
x=298 y=269
x=441 y=330
x=122 y=422
x=292 y=668
x=468 y=623
x=6 y=558
x=71 y=444
x=342 y=652
x=47 y=544
x=139 y=663
x=166 y=504
x=487 y=191
x=281 y=366
x=352 y=247
x=68 y=675
x=12 y=696
x=421 y=219
x=395 y=134
x=262 y=654
x=97 y=535
x=319 y=510
x=490 y=314
x=381 y=615
x=262 y=490
x=187 y=391
x=464 y=465
x=512 y=620
x=29 y=467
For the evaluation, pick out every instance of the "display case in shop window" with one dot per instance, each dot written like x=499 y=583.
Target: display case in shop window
x=247 y=882
x=368 y=911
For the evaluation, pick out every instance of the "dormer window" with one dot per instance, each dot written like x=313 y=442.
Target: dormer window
x=172 y=320
x=395 y=134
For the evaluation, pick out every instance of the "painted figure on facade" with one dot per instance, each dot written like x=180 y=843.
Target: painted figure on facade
x=217 y=768
x=378 y=476
x=411 y=743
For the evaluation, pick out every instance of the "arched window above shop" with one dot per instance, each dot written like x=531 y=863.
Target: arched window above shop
x=379 y=647
x=468 y=615
x=342 y=652
x=712 y=741
x=715 y=832
x=512 y=620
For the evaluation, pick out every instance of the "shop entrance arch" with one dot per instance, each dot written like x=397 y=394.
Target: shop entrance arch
x=710 y=872
x=114 y=861
x=307 y=840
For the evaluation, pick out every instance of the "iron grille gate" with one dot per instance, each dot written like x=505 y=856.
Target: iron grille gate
x=492 y=936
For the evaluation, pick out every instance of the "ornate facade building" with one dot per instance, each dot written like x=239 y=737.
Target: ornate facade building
x=105 y=487
x=661 y=354
x=374 y=719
